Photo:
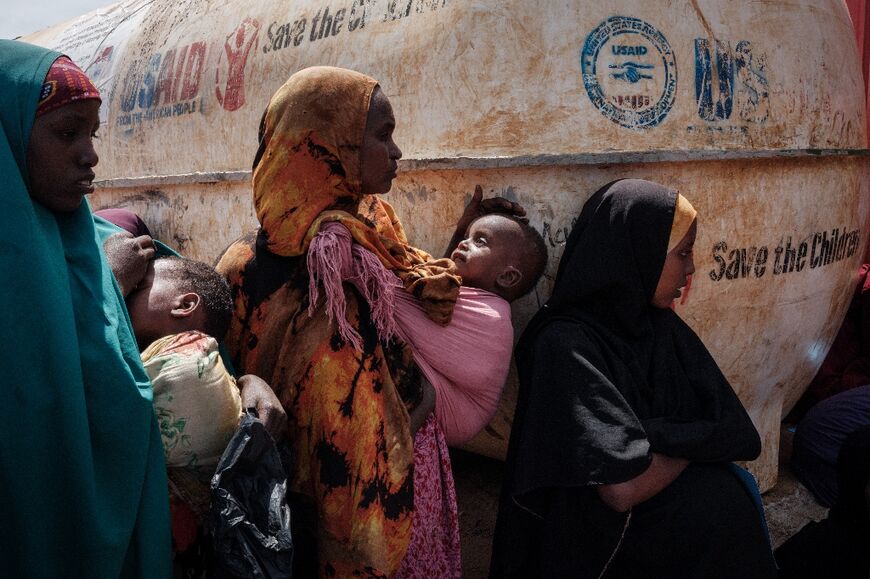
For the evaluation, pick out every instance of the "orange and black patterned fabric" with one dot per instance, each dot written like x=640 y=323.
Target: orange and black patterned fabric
x=348 y=408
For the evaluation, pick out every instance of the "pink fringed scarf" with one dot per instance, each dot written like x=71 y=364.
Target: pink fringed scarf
x=332 y=259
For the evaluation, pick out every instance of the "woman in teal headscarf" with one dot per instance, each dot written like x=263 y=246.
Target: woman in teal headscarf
x=82 y=481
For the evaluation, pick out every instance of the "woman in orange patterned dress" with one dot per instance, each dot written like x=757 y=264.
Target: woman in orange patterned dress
x=325 y=150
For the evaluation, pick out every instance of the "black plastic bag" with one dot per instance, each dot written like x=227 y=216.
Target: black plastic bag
x=249 y=516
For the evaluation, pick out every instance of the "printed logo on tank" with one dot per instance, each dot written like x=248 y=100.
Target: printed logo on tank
x=629 y=72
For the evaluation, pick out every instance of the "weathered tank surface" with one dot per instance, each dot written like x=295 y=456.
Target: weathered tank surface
x=753 y=110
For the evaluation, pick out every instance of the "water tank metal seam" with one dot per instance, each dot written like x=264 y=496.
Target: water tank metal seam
x=518 y=162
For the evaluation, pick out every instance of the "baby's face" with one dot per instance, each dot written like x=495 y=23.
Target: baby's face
x=151 y=303
x=486 y=251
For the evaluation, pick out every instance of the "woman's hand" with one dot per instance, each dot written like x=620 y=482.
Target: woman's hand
x=662 y=471
x=128 y=258
x=478 y=207
x=257 y=394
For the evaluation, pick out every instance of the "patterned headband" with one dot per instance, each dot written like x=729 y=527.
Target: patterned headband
x=65 y=83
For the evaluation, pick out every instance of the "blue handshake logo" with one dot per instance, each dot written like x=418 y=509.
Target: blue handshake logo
x=631 y=71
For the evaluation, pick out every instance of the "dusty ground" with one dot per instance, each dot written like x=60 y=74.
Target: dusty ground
x=788 y=506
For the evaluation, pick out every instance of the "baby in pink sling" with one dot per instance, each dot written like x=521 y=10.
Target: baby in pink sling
x=467 y=361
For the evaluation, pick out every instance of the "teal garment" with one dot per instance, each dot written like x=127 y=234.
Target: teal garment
x=106 y=229
x=83 y=489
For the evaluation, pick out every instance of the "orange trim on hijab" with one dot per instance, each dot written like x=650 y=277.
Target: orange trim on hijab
x=684 y=216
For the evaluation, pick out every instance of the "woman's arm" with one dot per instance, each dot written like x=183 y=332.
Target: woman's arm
x=662 y=471
x=425 y=408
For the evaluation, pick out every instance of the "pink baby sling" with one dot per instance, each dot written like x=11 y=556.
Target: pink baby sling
x=467 y=361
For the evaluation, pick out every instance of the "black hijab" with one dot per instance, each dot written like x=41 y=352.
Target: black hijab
x=629 y=378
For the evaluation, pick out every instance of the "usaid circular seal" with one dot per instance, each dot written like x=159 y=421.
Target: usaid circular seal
x=629 y=72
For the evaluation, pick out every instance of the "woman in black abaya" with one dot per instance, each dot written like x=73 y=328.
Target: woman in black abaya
x=619 y=458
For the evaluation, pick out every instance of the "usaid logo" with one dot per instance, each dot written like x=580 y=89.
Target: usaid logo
x=629 y=72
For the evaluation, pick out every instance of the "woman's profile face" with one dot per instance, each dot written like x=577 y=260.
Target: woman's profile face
x=679 y=265
x=61 y=155
x=380 y=155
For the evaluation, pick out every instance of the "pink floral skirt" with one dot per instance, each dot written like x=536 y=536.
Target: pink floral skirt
x=434 y=551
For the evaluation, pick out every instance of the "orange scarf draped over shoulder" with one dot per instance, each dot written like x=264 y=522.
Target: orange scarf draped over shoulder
x=308 y=172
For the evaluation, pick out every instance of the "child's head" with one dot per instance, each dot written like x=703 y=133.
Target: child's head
x=501 y=254
x=178 y=295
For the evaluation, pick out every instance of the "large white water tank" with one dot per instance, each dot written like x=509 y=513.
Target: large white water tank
x=753 y=110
